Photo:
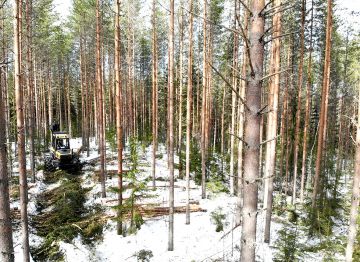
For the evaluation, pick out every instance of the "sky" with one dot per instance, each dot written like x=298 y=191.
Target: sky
x=63 y=7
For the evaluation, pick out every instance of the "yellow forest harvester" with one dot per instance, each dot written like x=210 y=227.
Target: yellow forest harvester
x=61 y=155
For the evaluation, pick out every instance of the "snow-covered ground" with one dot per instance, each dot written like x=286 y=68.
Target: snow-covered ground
x=195 y=242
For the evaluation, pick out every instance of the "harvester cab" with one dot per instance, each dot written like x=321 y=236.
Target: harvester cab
x=61 y=155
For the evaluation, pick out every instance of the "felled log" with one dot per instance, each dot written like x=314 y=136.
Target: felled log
x=162 y=211
x=192 y=202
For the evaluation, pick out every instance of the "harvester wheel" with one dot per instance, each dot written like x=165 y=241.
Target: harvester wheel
x=49 y=166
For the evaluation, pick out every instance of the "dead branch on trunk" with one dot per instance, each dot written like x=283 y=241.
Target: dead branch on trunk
x=266 y=141
x=276 y=73
x=283 y=35
x=232 y=88
x=246 y=7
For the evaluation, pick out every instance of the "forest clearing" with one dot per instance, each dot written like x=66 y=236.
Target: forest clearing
x=179 y=130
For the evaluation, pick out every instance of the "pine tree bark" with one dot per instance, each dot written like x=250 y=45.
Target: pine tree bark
x=19 y=92
x=271 y=132
x=242 y=91
x=181 y=65
x=307 y=111
x=188 y=114
x=252 y=131
x=233 y=101
x=154 y=94
x=50 y=94
x=355 y=193
x=171 y=127
x=324 y=105
x=298 y=109
x=30 y=86
x=203 y=107
x=6 y=242
x=118 y=112
x=68 y=99
x=99 y=84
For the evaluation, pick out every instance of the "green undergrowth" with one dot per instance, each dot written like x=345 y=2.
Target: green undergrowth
x=302 y=224
x=63 y=216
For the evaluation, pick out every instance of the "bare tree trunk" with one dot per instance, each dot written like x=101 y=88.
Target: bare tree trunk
x=242 y=91
x=181 y=90
x=171 y=127
x=222 y=126
x=252 y=131
x=355 y=193
x=298 y=110
x=307 y=112
x=50 y=95
x=68 y=102
x=233 y=100
x=324 y=104
x=272 y=123
x=203 y=108
x=21 y=130
x=284 y=115
x=154 y=94
x=188 y=113
x=83 y=106
x=30 y=85
x=118 y=112
x=88 y=104
x=6 y=242
x=100 y=100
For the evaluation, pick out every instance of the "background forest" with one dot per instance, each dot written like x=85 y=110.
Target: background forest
x=247 y=110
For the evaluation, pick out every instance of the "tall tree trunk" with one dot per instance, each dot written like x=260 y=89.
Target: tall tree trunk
x=188 y=113
x=171 y=127
x=6 y=242
x=181 y=50
x=118 y=112
x=242 y=91
x=100 y=100
x=355 y=193
x=50 y=95
x=284 y=115
x=252 y=131
x=68 y=99
x=298 y=109
x=83 y=107
x=233 y=100
x=203 y=107
x=272 y=123
x=307 y=110
x=30 y=85
x=324 y=105
x=154 y=94
x=19 y=91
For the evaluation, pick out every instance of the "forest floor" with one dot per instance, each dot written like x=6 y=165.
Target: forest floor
x=77 y=237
